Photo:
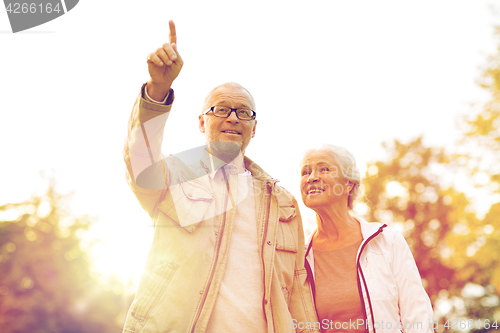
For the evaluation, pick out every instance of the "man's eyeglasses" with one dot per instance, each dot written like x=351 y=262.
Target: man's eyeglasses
x=224 y=112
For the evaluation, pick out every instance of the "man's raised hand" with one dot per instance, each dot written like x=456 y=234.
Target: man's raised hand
x=164 y=65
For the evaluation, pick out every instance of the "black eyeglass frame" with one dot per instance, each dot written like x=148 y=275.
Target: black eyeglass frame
x=254 y=114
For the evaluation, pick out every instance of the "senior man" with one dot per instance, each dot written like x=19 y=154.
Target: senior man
x=228 y=247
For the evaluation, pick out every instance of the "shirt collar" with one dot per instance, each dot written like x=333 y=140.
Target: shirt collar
x=212 y=164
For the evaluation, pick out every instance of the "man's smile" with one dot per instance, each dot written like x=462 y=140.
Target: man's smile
x=233 y=132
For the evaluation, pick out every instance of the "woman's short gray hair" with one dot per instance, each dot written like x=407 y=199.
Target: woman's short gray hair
x=208 y=99
x=347 y=164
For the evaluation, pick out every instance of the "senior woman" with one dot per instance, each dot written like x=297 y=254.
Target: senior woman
x=363 y=275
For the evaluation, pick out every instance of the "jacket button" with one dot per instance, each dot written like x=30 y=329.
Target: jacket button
x=269 y=243
x=216 y=233
x=265 y=301
x=201 y=292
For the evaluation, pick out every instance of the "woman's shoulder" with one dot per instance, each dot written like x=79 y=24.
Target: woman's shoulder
x=384 y=233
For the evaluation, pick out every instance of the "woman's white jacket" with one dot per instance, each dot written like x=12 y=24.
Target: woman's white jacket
x=393 y=297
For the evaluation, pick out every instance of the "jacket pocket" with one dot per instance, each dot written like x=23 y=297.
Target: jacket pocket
x=286 y=236
x=187 y=203
x=287 y=210
x=287 y=213
x=286 y=239
x=153 y=290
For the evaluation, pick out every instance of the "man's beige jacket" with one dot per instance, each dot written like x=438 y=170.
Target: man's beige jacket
x=187 y=258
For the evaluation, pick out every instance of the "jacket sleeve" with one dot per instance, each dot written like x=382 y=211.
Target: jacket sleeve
x=302 y=305
x=142 y=151
x=414 y=304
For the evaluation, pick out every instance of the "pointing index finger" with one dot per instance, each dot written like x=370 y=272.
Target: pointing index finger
x=172 y=36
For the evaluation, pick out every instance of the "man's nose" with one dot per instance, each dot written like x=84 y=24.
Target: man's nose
x=232 y=117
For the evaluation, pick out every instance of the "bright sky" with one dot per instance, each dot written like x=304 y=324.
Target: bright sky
x=351 y=73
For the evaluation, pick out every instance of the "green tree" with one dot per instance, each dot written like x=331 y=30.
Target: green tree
x=456 y=252
x=406 y=194
x=480 y=156
x=482 y=140
x=483 y=128
x=46 y=278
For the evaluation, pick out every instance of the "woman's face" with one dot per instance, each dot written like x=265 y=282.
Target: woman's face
x=321 y=181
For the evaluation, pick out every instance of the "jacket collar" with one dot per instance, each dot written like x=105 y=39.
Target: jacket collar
x=209 y=162
x=258 y=172
x=212 y=164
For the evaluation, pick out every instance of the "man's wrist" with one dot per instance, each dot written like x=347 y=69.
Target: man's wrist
x=157 y=93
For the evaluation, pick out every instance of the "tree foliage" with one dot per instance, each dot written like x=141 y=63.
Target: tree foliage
x=484 y=127
x=456 y=248
x=404 y=193
x=453 y=248
x=46 y=278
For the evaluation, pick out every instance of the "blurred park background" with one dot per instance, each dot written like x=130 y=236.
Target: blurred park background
x=443 y=195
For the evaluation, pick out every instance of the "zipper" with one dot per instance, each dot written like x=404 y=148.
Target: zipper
x=262 y=251
x=205 y=293
x=310 y=278
x=364 y=281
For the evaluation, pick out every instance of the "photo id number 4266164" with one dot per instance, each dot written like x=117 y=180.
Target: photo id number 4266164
x=470 y=324
x=24 y=8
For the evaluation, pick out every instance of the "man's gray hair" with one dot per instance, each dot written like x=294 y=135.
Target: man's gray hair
x=208 y=99
x=347 y=164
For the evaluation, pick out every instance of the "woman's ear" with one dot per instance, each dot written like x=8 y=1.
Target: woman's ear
x=349 y=186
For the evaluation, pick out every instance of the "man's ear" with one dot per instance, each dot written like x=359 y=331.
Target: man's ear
x=201 y=123
x=254 y=127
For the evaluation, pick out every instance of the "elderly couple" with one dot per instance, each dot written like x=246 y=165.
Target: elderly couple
x=228 y=253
